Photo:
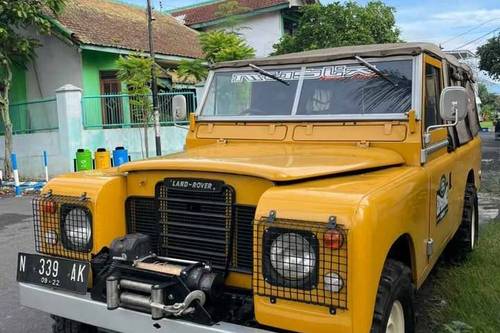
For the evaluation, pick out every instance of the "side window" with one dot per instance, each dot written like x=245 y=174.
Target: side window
x=432 y=94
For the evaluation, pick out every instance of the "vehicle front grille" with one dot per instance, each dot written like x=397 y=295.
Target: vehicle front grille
x=196 y=225
x=244 y=240
x=142 y=215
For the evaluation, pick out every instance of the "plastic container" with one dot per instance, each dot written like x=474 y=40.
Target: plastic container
x=120 y=156
x=83 y=160
x=102 y=159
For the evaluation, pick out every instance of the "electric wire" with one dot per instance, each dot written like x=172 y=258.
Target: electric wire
x=471 y=29
x=476 y=39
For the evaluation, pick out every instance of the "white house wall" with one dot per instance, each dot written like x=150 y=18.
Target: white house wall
x=261 y=32
x=57 y=63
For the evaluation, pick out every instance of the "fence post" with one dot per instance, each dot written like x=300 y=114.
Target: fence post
x=46 y=165
x=69 y=112
x=15 y=171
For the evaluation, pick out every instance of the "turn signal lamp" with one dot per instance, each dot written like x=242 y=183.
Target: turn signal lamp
x=49 y=207
x=333 y=239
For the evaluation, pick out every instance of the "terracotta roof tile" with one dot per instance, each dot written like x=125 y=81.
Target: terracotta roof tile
x=111 y=24
x=207 y=13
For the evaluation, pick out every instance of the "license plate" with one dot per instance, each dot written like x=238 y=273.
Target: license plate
x=70 y=275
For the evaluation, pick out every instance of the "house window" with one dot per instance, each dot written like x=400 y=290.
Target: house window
x=432 y=94
x=290 y=22
x=111 y=104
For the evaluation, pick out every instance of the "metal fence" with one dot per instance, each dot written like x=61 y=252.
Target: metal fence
x=33 y=116
x=117 y=111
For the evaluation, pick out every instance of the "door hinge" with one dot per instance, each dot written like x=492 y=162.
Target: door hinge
x=430 y=246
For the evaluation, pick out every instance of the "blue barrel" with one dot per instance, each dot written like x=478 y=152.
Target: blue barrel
x=120 y=156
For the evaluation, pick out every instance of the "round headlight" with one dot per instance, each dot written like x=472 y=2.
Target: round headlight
x=292 y=256
x=77 y=229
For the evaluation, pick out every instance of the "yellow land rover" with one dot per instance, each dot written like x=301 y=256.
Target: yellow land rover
x=315 y=193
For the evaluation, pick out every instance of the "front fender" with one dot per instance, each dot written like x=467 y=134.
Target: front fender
x=377 y=209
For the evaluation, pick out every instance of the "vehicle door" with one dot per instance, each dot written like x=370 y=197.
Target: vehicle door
x=438 y=162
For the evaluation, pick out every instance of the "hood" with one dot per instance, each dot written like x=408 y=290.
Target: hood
x=273 y=161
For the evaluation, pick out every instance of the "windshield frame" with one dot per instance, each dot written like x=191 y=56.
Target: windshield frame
x=415 y=93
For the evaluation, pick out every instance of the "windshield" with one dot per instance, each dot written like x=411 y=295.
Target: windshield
x=316 y=90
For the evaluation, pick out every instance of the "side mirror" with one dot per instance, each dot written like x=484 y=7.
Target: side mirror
x=453 y=104
x=179 y=108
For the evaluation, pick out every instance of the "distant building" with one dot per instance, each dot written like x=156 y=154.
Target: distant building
x=470 y=58
x=262 y=25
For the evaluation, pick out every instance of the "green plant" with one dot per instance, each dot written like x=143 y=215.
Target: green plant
x=18 y=49
x=224 y=46
x=490 y=103
x=489 y=55
x=217 y=46
x=341 y=24
x=470 y=290
x=136 y=72
x=192 y=69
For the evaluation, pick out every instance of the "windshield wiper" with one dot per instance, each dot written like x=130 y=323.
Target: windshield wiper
x=375 y=70
x=266 y=73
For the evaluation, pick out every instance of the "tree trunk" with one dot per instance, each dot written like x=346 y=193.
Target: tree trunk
x=4 y=112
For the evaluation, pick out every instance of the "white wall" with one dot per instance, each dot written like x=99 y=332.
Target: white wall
x=261 y=32
x=29 y=149
x=57 y=63
x=172 y=140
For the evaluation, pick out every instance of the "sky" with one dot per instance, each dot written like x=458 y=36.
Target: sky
x=464 y=24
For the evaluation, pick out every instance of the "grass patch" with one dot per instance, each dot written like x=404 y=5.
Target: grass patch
x=486 y=124
x=471 y=290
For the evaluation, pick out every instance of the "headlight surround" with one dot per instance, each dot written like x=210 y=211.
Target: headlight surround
x=76 y=228
x=290 y=258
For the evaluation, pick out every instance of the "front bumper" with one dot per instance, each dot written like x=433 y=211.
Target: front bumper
x=84 y=309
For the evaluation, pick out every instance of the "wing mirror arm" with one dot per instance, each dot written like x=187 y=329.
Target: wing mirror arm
x=427 y=135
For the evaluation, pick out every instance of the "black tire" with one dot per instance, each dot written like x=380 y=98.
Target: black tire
x=395 y=285
x=466 y=237
x=63 y=325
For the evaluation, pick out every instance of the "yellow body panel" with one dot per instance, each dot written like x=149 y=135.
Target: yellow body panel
x=106 y=191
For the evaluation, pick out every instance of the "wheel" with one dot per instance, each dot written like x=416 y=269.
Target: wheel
x=63 y=325
x=466 y=237
x=394 y=311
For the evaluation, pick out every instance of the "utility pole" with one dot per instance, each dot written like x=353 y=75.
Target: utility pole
x=154 y=81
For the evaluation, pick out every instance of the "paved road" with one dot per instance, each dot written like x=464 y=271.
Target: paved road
x=16 y=234
x=489 y=193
